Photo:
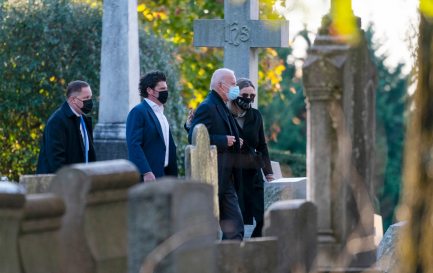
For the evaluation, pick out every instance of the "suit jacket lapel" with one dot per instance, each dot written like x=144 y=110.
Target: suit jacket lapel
x=221 y=109
x=154 y=118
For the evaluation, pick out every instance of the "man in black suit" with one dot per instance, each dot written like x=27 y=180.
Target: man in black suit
x=68 y=135
x=223 y=133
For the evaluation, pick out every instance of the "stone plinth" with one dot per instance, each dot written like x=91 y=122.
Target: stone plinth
x=285 y=189
x=39 y=183
x=294 y=224
x=12 y=200
x=167 y=215
x=93 y=235
x=38 y=239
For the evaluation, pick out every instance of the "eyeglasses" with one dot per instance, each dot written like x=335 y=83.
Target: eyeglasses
x=251 y=96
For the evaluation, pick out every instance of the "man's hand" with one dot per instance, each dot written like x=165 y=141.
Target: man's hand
x=231 y=140
x=241 y=141
x=270 y=177
x=148 y=176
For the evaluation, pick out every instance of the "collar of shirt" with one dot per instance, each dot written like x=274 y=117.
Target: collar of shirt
x=154 y=106
x=73 y=111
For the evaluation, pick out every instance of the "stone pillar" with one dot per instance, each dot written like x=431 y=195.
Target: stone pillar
x=38 y=239
x=169 y=215
x=294 y=224
x=12 y=201
x=120 y=72
x=339 y=81
x=93 y=235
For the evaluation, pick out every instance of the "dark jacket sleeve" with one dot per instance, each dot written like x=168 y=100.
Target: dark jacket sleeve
x=263 y=147
x=56 y=143
x=203 y=116
x=134 y=139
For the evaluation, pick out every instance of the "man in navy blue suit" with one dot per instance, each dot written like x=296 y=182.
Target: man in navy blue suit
x=223 y=133
x=150 y=142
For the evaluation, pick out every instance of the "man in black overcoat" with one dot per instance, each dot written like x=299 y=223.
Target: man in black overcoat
x=68 y=134
x=223 y=133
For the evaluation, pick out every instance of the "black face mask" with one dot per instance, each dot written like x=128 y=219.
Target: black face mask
x=87 y=106
x=163 y=96
x=243 y=103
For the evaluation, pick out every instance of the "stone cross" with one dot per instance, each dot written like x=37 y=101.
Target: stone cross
x=201 y=161
x=120 y=72
x=240 y=34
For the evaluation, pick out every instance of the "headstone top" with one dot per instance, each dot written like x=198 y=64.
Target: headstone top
x=11 y=195
x=103 y=175
x=43 y=206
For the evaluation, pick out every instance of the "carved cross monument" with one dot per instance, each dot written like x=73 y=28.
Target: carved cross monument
x=240 y=34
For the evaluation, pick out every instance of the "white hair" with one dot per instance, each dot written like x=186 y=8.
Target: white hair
x=218 y=76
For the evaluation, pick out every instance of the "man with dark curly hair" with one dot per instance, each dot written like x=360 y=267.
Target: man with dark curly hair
x=150 y=142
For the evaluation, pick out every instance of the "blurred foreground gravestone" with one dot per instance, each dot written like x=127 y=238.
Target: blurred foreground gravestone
x=12 y=200
x=285 y=189
x=172 y=227
x=38 y=240
x=294 y=223
x=93 y=236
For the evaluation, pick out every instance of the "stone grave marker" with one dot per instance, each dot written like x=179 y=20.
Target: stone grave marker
x=294 y=223
x=201 y=161
x=285 y=189
x=93 y=236
x=38 y=183
x=240 y=34
x=12 y=200
x=276 y=169
x=38 y=237
x=172 y=227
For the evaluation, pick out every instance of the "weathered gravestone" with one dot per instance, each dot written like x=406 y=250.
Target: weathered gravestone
x=12 y=201
x=240 y=34
x=38 y=183
x=93 y=236
x=285 y=189
x=294 y=223
x=256 y=255
x=120 y=72
x=201 y=161
x=171 y=215
x=38 y=238
x=339 y=81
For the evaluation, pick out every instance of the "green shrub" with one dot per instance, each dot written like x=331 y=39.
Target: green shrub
x=43 y=47
x=296 y=162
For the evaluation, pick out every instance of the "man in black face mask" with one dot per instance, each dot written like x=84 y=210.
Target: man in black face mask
x=68 y=135
x=150 y=142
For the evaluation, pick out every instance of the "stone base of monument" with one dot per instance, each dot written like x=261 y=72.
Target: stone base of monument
x=110 y=141
x=285 y=189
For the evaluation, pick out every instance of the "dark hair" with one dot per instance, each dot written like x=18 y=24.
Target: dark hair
x=244 y=82
x=150 y=79
x=75 y=86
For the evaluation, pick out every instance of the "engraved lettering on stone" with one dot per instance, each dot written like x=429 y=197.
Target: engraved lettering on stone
x=235 y=34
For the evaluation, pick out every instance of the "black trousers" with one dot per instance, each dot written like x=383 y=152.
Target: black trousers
x=231 y=222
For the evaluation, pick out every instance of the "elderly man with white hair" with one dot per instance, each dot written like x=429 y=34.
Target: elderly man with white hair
x=223 y=133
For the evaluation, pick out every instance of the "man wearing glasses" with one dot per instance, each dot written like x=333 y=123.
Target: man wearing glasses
x=68 y=134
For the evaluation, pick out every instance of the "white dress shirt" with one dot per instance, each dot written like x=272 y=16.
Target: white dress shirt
x=159 y=112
